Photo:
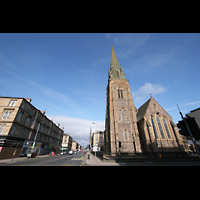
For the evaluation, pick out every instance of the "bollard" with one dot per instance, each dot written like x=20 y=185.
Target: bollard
x=88 y=156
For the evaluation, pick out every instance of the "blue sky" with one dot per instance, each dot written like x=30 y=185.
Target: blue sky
x=67 y=73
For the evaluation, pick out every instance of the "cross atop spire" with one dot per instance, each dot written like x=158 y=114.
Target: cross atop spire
x=115 y=70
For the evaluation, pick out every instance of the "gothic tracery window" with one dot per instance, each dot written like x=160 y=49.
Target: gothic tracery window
x=160 y=127
x=167 y=130
x=154 y=127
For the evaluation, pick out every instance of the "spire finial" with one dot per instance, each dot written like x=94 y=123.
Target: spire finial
x=151 y=95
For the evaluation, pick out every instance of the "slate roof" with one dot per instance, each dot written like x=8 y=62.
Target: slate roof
x=142 y=110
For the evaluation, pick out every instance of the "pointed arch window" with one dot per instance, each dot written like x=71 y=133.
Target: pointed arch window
x=160 y=127
x=125 y=134
x=167 y=130
x=154 y=128
x=123 y=115
x=120 y=93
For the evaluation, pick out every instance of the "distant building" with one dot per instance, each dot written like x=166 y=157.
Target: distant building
x=19 y=121
x=67 y=141
x=98 y=139
x=74 y=145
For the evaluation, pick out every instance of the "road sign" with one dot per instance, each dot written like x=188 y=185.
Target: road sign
x=95 y=148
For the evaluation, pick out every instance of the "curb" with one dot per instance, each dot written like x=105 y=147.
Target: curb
x=9 y=160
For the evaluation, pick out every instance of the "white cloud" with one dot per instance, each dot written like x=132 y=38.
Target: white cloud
x=78 y=129
x=143 y=93
x=188 y=104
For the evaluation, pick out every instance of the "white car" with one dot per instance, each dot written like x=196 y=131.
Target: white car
x=71 y=153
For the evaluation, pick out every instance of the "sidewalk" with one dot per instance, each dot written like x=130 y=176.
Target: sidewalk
x=95 y=161
x=9 y=160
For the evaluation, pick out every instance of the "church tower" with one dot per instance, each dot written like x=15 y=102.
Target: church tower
x=121 y=120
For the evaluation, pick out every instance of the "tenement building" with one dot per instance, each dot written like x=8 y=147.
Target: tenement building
x=149 y=129
x=19 y=121
x=98 y=139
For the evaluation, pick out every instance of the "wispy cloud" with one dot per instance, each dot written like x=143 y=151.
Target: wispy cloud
x=131 y=42
x=187 y=104
x=53 y=94
x=142 y=94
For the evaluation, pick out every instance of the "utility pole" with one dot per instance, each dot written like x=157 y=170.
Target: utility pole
x=190 y=133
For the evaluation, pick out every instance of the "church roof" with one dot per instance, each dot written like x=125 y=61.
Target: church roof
x=142 y=110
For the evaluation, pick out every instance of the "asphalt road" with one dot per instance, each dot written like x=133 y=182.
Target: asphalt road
x=57 y=160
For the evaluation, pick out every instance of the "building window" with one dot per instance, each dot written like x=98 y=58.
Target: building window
x=120 y=93
x=154 y=128
x=23 y=104
x=9 y=113
x=160 y=127
x=27 y=121
x=122 y=115
x=13 y=130
x=23 y=132
x=5 y=114
x=167 y=130
x=125 y=134
x=12 y=103
x=2 y=127
x=31 y=111
x=19 y=116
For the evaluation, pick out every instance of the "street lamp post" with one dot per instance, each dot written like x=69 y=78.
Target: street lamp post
x=36 y=135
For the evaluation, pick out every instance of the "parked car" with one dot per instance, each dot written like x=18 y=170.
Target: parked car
x=71 y=153
x=63 y=152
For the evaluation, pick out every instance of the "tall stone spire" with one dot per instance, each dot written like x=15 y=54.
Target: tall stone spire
x=121 y=120
x=115 y=70
x=114 y=61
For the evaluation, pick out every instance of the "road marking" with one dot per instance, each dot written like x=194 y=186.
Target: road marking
x=77 y=159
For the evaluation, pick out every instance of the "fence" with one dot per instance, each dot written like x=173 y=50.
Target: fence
x=142 y=157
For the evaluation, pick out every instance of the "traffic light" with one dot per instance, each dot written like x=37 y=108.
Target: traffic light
x=120 y=144
x=182 y=127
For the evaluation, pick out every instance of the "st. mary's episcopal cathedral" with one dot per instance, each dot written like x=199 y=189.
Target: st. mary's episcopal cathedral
x=149 y=129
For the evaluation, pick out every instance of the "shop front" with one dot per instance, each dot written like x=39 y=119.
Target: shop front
x=27 y=145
